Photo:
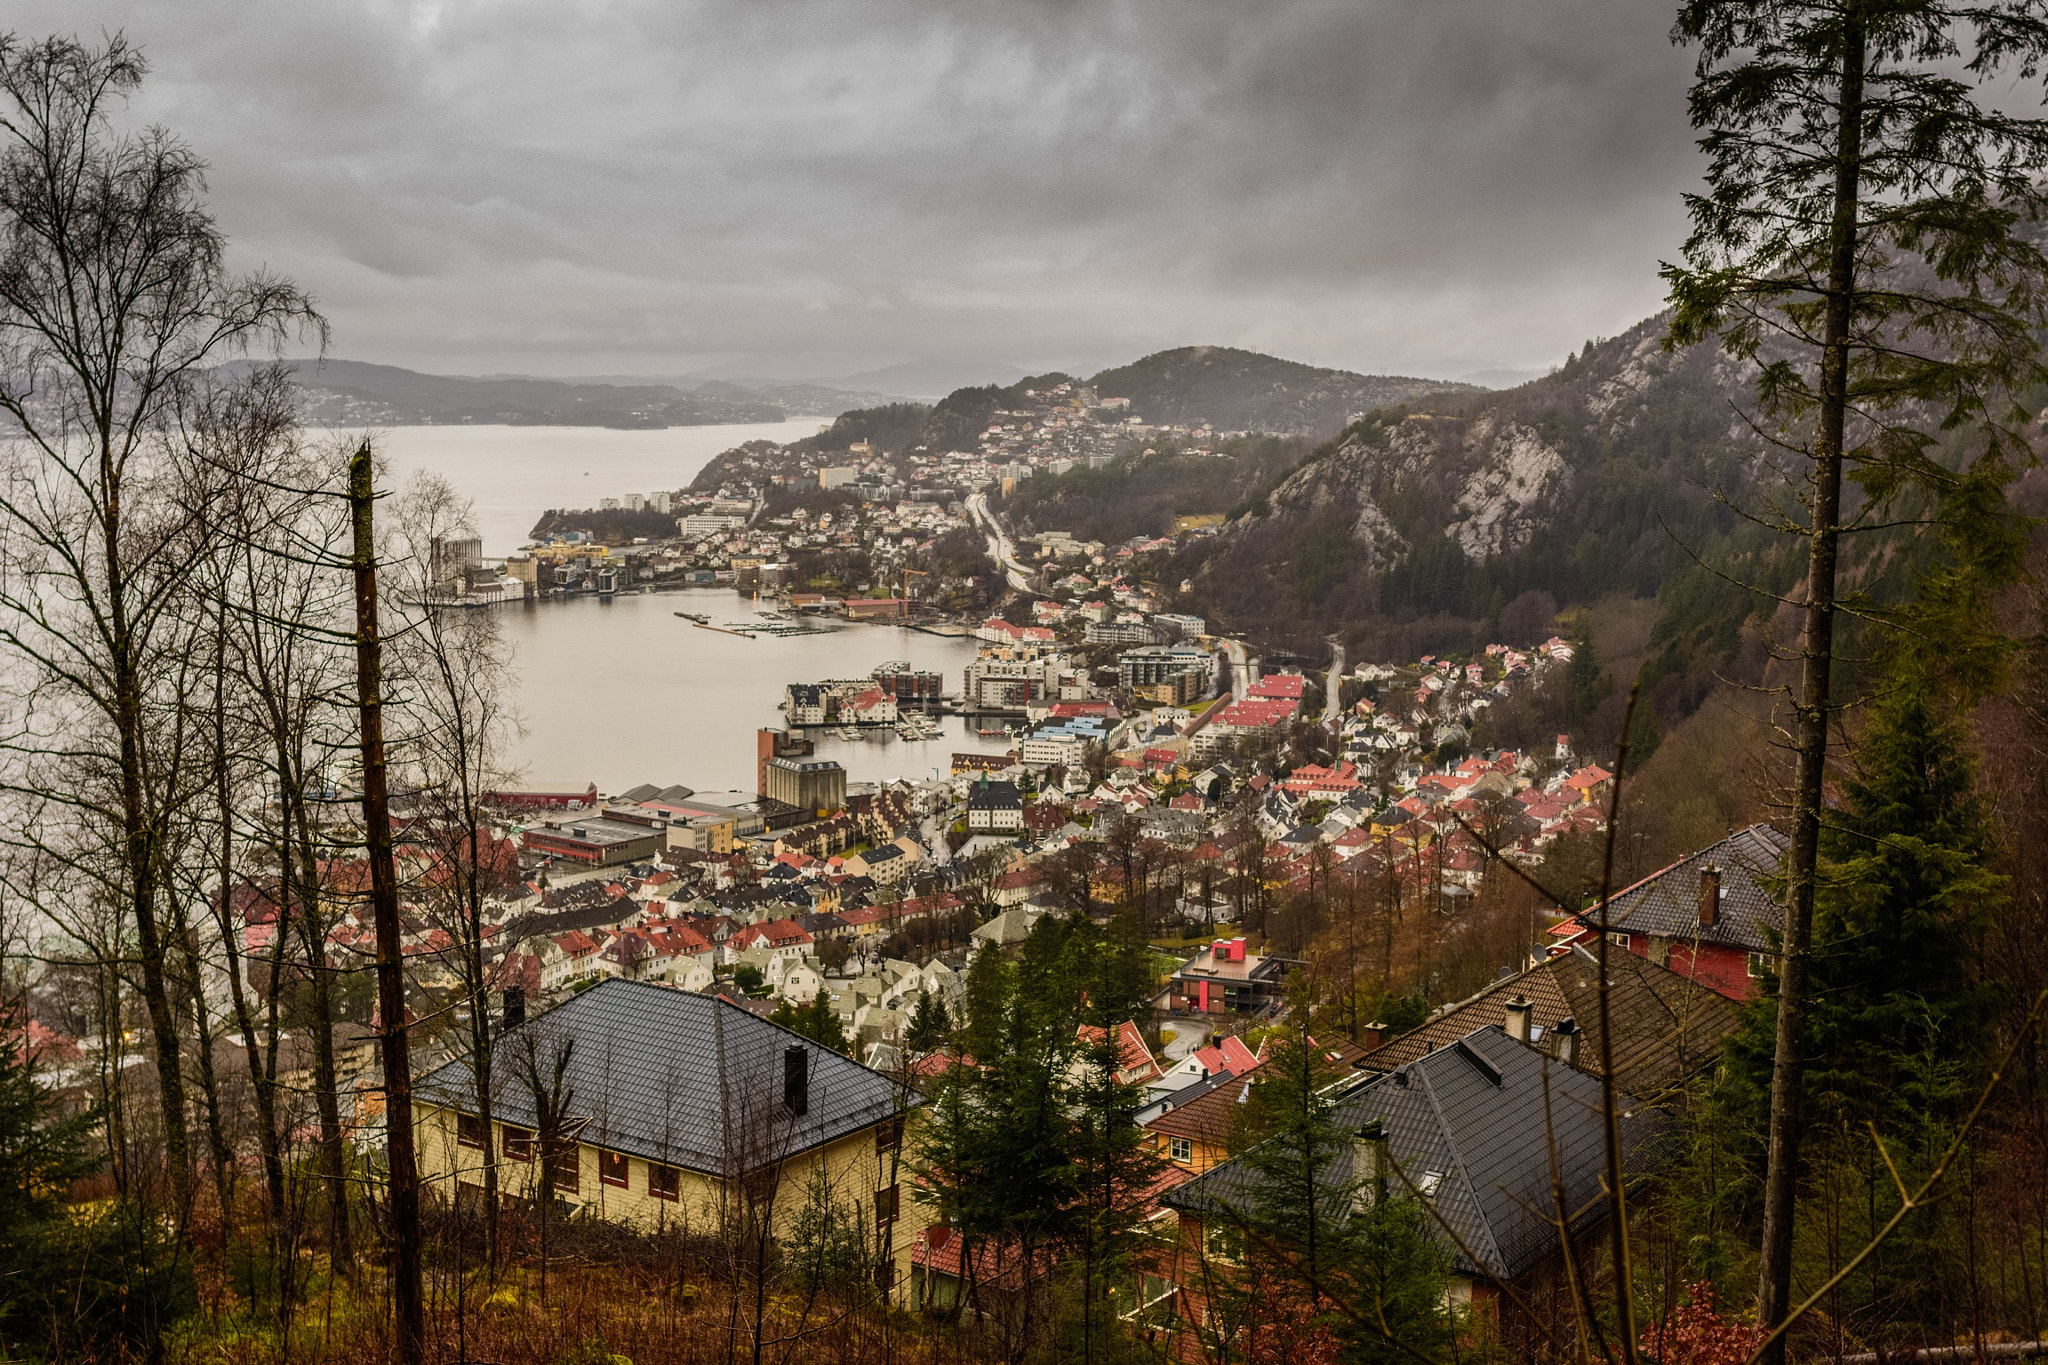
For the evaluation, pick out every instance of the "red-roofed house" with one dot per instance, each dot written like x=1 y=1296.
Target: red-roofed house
x=1588 y=783
x=1313 y=779
x=1138 y=1067
x=1286 y=686
x=1253 y=713
x=872 y=707
x=782 y=937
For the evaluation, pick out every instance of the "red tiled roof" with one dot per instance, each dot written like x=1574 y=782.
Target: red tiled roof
x=1288 y=685
x=1132 y=1054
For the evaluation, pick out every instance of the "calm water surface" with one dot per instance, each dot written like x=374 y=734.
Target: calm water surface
x=624 y=692
x=513 y=474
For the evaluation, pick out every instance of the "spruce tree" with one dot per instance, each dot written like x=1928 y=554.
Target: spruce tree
x=1865 y=244
x=1339 y=1249
x=1905 y=889
x=1896 y=1022
x=817 y=1021
x=929 y=1023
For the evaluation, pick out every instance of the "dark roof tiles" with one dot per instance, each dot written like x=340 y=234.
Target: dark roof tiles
x=1475 y=1127
x=689 y=1080
x=1666 y=904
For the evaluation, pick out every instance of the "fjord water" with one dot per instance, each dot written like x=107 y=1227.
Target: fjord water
x=624 y=691
x=513 y=474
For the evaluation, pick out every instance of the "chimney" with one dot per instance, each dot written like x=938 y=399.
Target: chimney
x=515 y=1007
x=1375 y=1035
x=1710 y=895
x=1565 y=1037
x=1369 y=1165
x=1518 y=1019
x=796 y=1078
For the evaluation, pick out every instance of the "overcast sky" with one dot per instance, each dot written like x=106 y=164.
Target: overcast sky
x=817 y=187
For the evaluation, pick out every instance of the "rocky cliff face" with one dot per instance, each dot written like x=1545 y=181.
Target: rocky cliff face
x=1580 y=483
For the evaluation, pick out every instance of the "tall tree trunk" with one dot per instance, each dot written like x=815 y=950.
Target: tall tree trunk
x=326 y=1084
x=404 y=1191
x=140 y=849
x=481 y=1043
x=301 y=852
x=1815 y=701
x=209 y=1084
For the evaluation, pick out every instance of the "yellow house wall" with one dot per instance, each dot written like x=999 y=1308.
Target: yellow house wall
x=854 y=1171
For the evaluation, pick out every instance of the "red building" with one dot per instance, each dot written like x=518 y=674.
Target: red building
x=545 y=798
x=1709 y=916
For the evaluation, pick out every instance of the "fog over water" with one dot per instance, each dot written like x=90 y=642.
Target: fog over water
x=624 y=692
x=513 y=474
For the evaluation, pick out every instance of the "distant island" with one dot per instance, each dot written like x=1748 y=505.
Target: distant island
x=353 y=393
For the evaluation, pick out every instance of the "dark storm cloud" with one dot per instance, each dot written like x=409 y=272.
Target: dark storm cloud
x=511 y=184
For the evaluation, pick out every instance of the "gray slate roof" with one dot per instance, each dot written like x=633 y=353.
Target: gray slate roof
x=1481 y=1128
x=648 y=791
x=672 y=1076
x=1667 y=903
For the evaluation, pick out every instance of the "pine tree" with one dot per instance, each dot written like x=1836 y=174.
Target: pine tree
x=1341 y=1249
x=1115 y=1169
x=929 y=1023
x=988 y=990
x=73 y=1287
x=1896 y=1023
x=1865 y=244
x=1905 y=890
x=817 y=1021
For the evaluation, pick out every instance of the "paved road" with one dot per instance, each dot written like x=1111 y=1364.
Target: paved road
x=999 y=547
x=1189 y=1035
x=1336 y=672
x=1240 y=668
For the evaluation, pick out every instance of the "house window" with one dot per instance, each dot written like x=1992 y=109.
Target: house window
x=1621 y=940
x=889 y=1135
x=663 y=1182
x=611 y=1169
x=518 y=1145
x=1180 y=1148
x=469 y=1131
x=1756 y=964
x=886 y=1202
x=565 y=1169
x=1222 y=1243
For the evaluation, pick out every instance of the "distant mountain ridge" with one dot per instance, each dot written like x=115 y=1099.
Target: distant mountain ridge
x=354 y=392
x=1225 y=388
x=1236 y=390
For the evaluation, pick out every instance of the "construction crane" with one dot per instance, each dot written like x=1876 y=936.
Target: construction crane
x=908 y=574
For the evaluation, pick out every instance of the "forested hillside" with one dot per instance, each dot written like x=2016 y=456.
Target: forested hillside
x=1217 y=386
x=1580 y=484
x=1140 y=494
x=1234 y=390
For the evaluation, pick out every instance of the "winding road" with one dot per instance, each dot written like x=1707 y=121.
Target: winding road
x=999 y=547
x=1336 y=672
x=1241 y=679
